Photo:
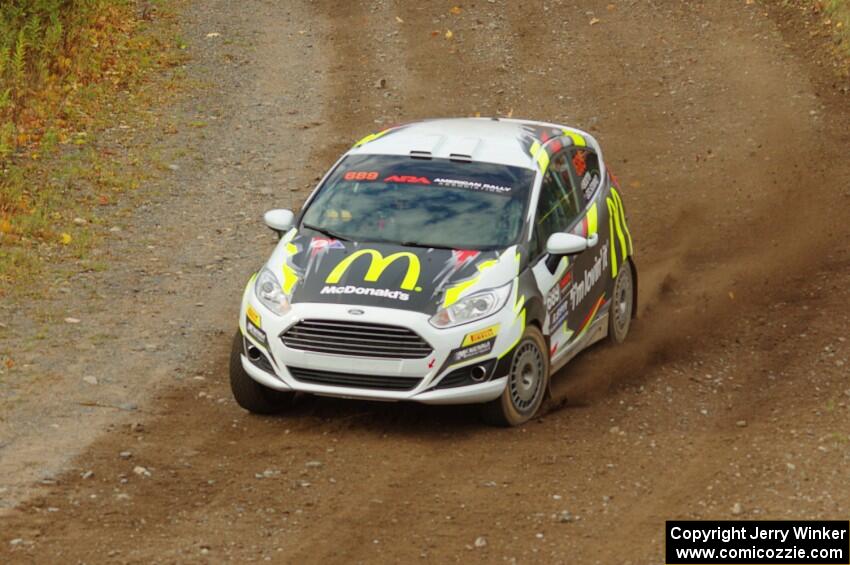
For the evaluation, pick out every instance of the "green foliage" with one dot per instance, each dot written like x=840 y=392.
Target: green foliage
x=839 y=14
x=64 y=65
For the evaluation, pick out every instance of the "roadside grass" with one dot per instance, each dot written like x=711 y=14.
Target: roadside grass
x=837 y=14
x=69 y=69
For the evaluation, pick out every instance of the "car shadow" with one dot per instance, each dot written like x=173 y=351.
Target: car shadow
x=386 y=417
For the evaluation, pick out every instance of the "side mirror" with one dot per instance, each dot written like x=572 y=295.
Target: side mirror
x=279 y=220
x=568 y=244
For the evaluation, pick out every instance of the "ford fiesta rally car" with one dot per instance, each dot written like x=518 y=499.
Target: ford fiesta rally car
x=446 y=261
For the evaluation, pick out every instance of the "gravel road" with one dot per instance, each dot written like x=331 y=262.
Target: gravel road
x=119 y=440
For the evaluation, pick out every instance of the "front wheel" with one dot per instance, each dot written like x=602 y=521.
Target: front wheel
x=249 y=394
x=528 y=381
x=622 y=305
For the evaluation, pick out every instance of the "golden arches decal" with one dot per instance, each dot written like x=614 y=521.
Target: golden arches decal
x=377 y=265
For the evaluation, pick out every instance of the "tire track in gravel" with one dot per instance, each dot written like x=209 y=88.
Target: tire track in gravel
x=360 y=36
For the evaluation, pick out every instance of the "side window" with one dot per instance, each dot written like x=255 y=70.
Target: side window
x=558 y=204
x=586 y=167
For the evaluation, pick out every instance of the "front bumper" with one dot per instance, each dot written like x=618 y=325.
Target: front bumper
x=472 y=394
x=428 y=371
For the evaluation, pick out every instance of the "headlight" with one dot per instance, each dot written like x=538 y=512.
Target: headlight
x=472 y=307
x=270 y=294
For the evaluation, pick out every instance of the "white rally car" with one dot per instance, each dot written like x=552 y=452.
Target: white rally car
x=446 y=261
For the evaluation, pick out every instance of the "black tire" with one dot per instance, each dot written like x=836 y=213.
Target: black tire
x=622 y=307
x=528 y=381
x=249 y=394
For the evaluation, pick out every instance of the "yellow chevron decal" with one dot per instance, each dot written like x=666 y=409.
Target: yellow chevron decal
x=611 y=246
x=578 y=139
x=372 y=137
x=592 y=219
x=622 y=211
x=453 y=293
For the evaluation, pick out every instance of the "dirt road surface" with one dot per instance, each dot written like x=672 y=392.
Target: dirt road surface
x=731 y=140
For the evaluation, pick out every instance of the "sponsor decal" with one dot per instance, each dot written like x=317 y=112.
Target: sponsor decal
x=480 y=335
x=560 y=311
x=552 y=297
x=473 y=185
x=471 y=352
x=320 y=244
x=581 y=288
x=377 y=265
x=589 y=182
x=461 y=256
x=407 y=179
x=571 y=290
x=556 y=293
x=362 y=290
x=254 y=316
x=360 y=175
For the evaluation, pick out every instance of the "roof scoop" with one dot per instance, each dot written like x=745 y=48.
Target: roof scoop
x=426 y=147
x=464 y=149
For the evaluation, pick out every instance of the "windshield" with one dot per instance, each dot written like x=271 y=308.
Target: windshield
x=423 y=202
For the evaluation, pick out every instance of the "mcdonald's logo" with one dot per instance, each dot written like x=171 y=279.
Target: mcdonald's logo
x=377 y=265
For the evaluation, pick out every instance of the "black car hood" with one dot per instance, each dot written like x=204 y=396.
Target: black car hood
x=380 y=274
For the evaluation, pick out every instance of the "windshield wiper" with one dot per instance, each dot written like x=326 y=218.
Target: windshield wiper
x=425 y=245
x=325 y=231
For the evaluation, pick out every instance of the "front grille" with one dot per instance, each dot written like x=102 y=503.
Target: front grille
x=351 y=380
x=356 y=339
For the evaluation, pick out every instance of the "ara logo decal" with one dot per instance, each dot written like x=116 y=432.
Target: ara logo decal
x=377 y=265
x=406 y=179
